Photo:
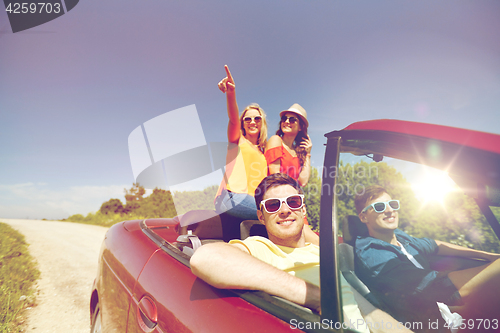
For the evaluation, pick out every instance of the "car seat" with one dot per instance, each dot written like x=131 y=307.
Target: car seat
x=353 y=227
x=346 y=266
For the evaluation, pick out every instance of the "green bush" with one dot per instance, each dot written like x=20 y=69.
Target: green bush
x=18 y=274
x=112 y=206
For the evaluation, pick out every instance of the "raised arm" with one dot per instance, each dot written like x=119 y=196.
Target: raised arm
x=447 y=249
x=227 y=86
x=230 y=266
x=305 y=171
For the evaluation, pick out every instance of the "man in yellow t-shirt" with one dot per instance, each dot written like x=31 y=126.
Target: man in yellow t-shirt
x=303 y=262
x=283 y=265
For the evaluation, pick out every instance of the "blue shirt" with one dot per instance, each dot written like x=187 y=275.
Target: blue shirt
x=408 y=292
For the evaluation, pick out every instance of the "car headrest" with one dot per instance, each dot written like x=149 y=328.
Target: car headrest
x=252 y=228
x=353 y=227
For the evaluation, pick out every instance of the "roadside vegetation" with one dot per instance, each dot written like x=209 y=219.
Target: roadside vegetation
x=159 y=203
x=18 y=273
x=458 y=220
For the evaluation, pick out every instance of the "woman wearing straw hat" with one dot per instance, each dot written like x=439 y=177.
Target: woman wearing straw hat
x=289 y=151
x=245 y=162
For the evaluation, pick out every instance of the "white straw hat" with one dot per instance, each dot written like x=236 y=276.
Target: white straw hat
x=298 y=110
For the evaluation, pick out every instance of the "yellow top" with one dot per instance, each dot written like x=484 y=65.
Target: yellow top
x=303 y=262
x=245 y=168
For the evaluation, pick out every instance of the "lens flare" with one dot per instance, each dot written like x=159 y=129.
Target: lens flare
x=433 y=185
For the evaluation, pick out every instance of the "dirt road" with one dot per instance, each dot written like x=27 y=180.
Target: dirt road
x=67 y=256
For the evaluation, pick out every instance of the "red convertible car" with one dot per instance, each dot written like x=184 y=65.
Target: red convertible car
x=144 y=282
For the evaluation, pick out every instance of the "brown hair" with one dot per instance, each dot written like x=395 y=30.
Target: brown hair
x=371 y=192
x=274 y=180
x=301 y=152
x=263 y=130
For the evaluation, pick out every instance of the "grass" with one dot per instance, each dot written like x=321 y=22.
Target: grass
x=105 y=220
x=18 y=273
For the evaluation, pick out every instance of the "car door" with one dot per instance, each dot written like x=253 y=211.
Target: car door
x=125 y=252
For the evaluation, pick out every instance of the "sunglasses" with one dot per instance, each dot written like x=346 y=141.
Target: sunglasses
x=380 y=207
x=294 y=201
x=291 y=119
x=257 y=119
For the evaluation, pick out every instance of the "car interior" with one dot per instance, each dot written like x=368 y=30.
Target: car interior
x=199 y=227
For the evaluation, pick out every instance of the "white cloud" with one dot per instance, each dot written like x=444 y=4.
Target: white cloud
x=40 y=200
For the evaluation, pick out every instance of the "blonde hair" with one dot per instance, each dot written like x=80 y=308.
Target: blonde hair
x=263 y=130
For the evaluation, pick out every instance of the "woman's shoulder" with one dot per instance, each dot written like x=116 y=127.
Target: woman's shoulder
x=274 y=141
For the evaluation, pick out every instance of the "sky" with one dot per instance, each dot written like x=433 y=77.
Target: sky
x=73 y=89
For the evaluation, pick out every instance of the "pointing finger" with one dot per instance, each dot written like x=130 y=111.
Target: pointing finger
x=228 y=72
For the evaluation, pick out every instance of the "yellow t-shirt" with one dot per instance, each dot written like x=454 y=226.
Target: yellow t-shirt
x=302 y=262
x=245 y=168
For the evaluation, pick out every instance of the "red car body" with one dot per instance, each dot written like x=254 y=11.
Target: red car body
x=140 y=279
x=144 y=282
